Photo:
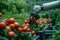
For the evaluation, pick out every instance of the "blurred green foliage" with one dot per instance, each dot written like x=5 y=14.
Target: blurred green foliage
x=12 y=6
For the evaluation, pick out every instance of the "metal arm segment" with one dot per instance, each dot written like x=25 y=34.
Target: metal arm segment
x=51 y=5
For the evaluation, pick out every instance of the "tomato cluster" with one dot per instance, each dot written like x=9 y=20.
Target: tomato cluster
x=45 y=20
x=11 y=24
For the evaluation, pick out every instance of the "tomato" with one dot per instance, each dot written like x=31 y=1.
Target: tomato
x=36 y=21
x=24 y=29
x=2 y=25
x=20 y=30
x=33 y=32
x=28 y=24
x=5 y=21
x=45 y=20
x=48 y=20
x=25 y=21
x=11 y=20
x=41 y=21
x=0 y=14
x=42 y=25
x=8 y=28
x=12 y=26
x=16 y=25
x=28 y=29
x=11 y=34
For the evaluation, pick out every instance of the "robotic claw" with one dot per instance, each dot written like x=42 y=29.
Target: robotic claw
x=46 y=6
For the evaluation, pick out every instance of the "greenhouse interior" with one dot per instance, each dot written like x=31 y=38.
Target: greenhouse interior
x=29 y=19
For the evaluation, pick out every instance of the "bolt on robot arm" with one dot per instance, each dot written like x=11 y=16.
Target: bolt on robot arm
x=46 y=6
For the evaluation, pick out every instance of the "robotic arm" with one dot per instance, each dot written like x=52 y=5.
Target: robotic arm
x=46 y=6
x=42 y=35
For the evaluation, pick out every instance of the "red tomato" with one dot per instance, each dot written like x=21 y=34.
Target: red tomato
x=8 y=28
x=12 y=26
x=41 y=21
x=20 y=30
x=36 y=21
x=11 y=34
x=25 y=21
x=16 y=25
x=2 y=25
x=0 y=14
x=28 y=24
x=11 y=20
x=24 y=29
x=42 y=25
x=33 y=32
x=28 y=29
